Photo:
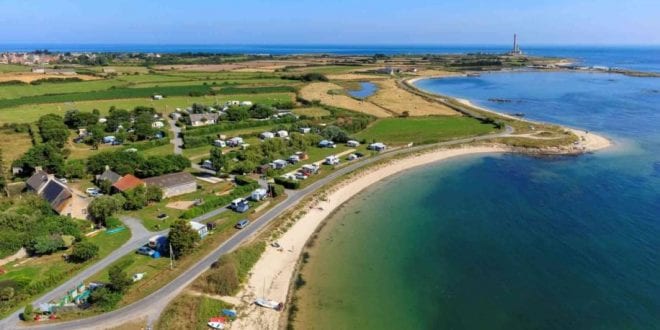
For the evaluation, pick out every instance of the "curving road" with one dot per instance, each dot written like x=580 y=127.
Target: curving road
x=153 y=305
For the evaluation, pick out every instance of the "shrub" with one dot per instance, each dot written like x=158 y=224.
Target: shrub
x=113 y=222
x=105 y=299
x=119 y=280
x=289 y=184
x=84 y=251
x=28 y=313
x=276 y=190
x=243 y=180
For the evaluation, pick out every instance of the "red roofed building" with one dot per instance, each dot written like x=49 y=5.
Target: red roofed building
x=127 y=182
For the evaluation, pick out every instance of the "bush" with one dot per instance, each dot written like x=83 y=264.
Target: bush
x=289 y=184
x=276 y=190
x=243 y=180
x=224 y=280
x=113 y=222
x=28 y=313
x=84 y=251
x=119 y=280
x=105 y=299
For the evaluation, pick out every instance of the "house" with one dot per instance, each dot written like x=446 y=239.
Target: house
x=378 y=146
x=327 y=144
x=174 y=184
x=353 y=143
x=203 y=119
x=201 y=229
x=282 y=133
x=235 y=141
x=259 y=194
x=279 y=164
x=246 y=104
x=108 y=175
x=219 y=143
x=331 y=160
x=61 y=198
x=305 y=130
x=157 y=124
x=266 y=135
x=157 y=97
x=127 y=182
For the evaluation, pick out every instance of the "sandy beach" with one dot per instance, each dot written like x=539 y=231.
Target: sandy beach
x=271 y=276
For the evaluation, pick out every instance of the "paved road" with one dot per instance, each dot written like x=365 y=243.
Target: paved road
x=176 y=139
x=139 y=236
x=153 y=305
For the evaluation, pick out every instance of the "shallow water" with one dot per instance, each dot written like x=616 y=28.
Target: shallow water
x=507 y=241
x=366 y=89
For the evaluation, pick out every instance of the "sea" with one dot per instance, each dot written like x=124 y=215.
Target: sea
x=505 y=241
x=646 y=58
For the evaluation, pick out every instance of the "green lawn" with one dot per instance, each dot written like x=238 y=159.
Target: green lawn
x=32 y=112
x=46 y=272
x=13 y=68
x=397 y=131
x=314 y=112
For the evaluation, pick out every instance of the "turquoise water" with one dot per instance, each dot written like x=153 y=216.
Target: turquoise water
x=507 y=241
x=366 y=89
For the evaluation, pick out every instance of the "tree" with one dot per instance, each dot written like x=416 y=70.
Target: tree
x=154 y=193
x=117 y=117
x=142 y=126
x=182 y=237
x=261 y=111
x=28 y=313
x=335 y=133
x=52 y=129
x=136 y=198
x=218 y=159
x=119 y=279
x=75 y=119
x=46 y=155
x=46 y=244
x=103 y=207
x=84 y=251
x=237 y=114
x=74 y=169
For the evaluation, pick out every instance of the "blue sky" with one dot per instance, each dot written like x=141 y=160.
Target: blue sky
x=568 y=22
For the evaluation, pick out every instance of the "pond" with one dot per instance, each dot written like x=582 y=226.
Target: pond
x=366 y=89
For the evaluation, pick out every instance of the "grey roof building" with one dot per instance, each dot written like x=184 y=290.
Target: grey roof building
x=174 y=184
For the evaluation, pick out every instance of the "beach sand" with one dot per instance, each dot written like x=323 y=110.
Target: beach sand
x=271 y=275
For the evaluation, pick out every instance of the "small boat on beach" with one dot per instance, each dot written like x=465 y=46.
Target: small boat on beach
x=269 y=304
x=217 y=322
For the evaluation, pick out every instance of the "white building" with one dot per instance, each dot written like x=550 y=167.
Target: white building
x=282 y=133
x=259 y=194
x=331 y=160
x=200 y=228
x=378 y=146
x=157 y=124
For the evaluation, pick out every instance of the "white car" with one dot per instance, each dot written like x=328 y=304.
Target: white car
x=93 y=190
x=300 y=176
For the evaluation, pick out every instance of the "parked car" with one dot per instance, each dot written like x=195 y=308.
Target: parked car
x=242 y=224
x=96 y=194
x=92 y=190
x=359 y=154
x=145 y=250
x=300 y=176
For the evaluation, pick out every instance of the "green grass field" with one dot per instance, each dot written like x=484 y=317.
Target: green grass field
x=397 y=131
x=314 y=112
x=13 y=68
x=32 y=112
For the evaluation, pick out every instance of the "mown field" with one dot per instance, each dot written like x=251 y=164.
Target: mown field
x=423 y=129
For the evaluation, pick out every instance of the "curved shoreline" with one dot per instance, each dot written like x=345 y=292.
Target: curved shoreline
x=273 y=275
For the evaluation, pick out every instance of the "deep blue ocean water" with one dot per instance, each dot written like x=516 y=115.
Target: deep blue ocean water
x=643 y=58
x=507 y=241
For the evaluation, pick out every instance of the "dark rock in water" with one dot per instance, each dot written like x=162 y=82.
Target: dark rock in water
x=498 y=100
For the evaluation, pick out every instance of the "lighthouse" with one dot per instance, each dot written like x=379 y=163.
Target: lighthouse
x=516 y=48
